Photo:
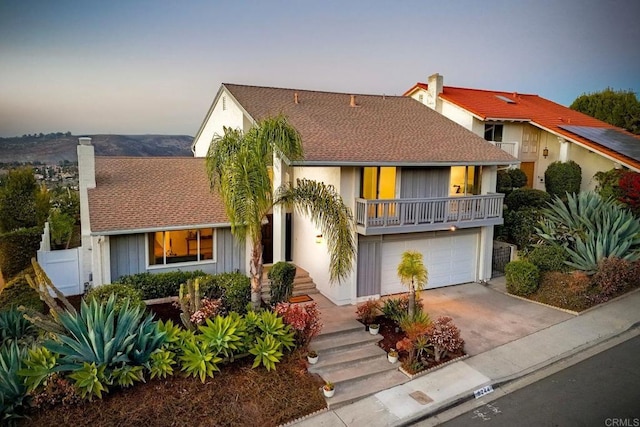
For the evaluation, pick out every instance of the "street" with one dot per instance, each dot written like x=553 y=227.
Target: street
x=603 y=390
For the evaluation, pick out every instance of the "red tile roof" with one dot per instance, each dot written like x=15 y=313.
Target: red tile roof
x=143 y=193
x=379 y=130
x=539 y=111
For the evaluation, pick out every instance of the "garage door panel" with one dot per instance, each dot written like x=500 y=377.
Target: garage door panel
x=449 y=260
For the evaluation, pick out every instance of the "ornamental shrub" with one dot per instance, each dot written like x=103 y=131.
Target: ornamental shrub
x=608 y=183
x=121 y=292
x=396 y=308
x=563 y=177
x=522 y=277
x=549 y=257
x=527 y=198
x=518 y=178
x=630 y=189
x=614 y=276
x=367 y=311
x=519 y=226
x=281 y=275
x=159 y=285
x=233 y=288
x=17 y=248
x=444 y=336
x=304 y=319
x=18 y=292
x=503 y=184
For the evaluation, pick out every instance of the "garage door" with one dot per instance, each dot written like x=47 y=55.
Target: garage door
x=450 y=258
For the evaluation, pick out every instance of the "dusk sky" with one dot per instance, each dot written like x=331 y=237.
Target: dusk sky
x=136 y=67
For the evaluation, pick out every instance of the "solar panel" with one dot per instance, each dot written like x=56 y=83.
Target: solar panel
x=505 y=99
x=610 y=138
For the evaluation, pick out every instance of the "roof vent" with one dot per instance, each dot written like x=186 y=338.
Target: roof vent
x=353 y=101
x=295 y=98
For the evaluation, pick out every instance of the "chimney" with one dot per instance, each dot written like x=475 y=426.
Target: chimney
x=295 y=98
x=353 y=101
x=435 y=87
x=86 y=163
x=87 y=180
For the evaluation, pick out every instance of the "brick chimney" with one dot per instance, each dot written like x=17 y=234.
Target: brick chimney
x=435 y=88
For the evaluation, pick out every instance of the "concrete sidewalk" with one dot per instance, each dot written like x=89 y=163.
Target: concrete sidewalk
x=456 y=382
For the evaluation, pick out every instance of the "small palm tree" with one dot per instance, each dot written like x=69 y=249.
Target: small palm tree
x=412 y=273
x=237 y=165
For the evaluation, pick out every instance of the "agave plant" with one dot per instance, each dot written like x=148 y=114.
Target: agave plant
x=39 y=364
x=15 y=327
x=12 y=388
x=104 y=337
x=267 y=352
x=224 y=335
x=591 y=229
x=269 y=323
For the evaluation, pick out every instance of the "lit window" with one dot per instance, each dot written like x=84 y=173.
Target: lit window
x=180 y=246
x=465 y=180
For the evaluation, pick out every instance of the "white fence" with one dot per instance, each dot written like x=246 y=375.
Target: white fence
x=62 y=266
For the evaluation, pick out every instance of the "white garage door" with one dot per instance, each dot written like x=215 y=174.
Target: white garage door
x=450 y=257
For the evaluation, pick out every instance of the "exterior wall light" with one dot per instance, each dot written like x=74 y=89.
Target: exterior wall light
x=545 y=152
x=453 y=228
x=319 y=238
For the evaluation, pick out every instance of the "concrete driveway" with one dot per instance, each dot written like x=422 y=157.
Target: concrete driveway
x=486 y=317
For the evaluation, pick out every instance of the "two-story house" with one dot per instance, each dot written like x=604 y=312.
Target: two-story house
x=533 y=129
x=413 y=178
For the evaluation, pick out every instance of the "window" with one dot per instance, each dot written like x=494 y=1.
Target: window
x=378 y=183
x=421 y=98
x=465 y=180
x=180 y=246
x=493 y=132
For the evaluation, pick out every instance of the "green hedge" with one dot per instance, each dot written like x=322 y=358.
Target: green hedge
x=281 y=275
x=561 y=178
x=523 y=277
x=159 y=285
x=527 y=198
x=17 y=248
x=549 y=257
x=233 y=288
x=18 y=292
x=122 y=292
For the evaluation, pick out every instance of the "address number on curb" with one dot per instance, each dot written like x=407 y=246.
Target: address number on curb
x=482 y=391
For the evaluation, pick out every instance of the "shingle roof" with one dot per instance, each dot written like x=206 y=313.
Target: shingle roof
x=379 y=130
x=141 y=193
x=540 y=111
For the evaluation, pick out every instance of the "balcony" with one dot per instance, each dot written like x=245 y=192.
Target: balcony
x=375 y=217
x=510 y=147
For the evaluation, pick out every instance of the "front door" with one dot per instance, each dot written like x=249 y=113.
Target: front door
x=528 y=168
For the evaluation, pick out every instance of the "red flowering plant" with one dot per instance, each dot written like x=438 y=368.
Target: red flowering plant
x=444 y=337
x=630 y=186
x=304 y=319
x=208 y=309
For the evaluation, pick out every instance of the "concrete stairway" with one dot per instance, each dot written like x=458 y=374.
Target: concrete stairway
x=351 y=360
x=302 y=284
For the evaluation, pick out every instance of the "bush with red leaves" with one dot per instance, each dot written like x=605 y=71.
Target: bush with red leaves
x=444 y=336
x=304 y=319
x=630 y=186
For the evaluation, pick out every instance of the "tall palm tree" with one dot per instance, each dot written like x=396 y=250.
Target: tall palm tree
x=412 y=273
x=237 y=165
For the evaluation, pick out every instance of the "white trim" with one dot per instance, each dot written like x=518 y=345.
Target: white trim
x=153 y=229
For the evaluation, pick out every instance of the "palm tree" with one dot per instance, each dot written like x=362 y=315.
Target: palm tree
x=237 y=165
x=412 y=273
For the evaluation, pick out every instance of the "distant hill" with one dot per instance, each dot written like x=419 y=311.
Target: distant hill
x=54 y=148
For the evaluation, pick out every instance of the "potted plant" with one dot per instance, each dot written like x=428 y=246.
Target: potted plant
x=392 y=356
x=367 y=312
x=328 y=389
x=374 y=328
x=312 y=357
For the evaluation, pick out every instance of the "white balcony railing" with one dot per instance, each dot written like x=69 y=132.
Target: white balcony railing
x=510 y=147
x=414 y=215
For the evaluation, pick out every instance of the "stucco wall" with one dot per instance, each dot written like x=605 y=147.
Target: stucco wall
x=313 y=256
x=590 y=163
x=230 y=116
x=459 y=116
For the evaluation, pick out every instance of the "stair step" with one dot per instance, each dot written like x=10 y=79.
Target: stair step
x=351 y=391
x=326 y=343
x=356 y=371
x=349 y=357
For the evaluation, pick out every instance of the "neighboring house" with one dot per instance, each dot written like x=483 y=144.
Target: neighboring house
x=150 y=214
x=413 y=178
x=535 y=130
